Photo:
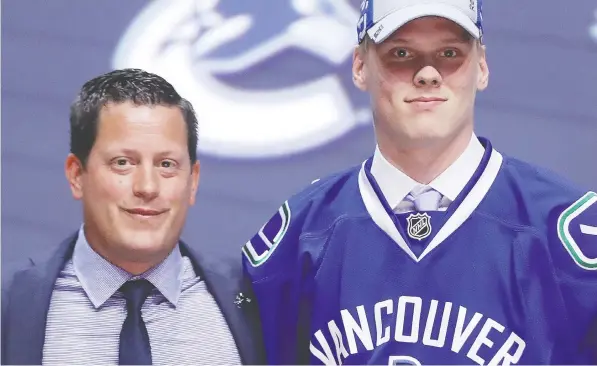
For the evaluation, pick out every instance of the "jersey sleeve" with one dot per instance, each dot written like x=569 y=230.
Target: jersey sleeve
x=278 y=275
x=573 y=239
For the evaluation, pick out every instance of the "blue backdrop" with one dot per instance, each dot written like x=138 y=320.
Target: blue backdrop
x=270 y=80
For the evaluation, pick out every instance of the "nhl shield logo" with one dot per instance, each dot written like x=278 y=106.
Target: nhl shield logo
x=419 y=226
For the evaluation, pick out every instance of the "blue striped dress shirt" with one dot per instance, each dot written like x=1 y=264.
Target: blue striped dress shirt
x=87 y=311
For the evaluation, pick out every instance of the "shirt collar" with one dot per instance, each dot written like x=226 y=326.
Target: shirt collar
x=395 y=185
x=100 y=279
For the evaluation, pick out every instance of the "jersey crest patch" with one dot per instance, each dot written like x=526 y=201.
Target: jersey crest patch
x=419 y=226
x=577 y=230
x=262 y=245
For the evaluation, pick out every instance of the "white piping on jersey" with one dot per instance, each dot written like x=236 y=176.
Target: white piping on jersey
x=466 y=208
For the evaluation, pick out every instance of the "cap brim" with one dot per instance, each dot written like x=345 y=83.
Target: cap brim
x=391 y=22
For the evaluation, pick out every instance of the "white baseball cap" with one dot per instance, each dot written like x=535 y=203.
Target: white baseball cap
x=380 y=18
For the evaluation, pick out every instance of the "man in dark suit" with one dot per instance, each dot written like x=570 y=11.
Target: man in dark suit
x=124 y=288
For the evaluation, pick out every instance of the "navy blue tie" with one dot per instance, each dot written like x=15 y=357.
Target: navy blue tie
x=134 y=348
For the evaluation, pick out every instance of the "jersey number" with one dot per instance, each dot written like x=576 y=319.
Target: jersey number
x=403 y=360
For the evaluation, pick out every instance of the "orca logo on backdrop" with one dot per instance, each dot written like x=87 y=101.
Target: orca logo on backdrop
x=593 y=27
x=267 y=78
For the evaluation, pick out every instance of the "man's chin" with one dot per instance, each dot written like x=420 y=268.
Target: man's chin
x=144 y=240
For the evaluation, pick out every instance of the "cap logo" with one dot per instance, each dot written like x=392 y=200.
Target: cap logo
x=366 y=20
x=376 y=34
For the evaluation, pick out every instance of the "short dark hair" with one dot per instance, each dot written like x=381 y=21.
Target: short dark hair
x=120 y=86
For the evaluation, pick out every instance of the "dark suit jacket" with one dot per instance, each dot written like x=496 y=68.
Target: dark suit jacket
x=26 y=300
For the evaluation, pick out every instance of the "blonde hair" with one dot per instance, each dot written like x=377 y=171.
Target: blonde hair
x=364 y=45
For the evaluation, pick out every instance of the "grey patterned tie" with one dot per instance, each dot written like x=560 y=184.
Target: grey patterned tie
x=428 y=200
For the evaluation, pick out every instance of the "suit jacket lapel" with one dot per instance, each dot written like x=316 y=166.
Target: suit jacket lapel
x=31 y=292
x=224 y=281
x=29 y=302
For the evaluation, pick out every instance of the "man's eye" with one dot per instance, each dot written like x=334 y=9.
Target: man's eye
x=121 y=162
x=167 y=164
x=449 y=53
x=402 y=53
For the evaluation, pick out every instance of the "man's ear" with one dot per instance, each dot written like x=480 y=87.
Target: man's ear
x=358 y=68
x=73 y=169
x=195 y=174
x=483 y=79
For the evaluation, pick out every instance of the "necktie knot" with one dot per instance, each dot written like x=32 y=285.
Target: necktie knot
x=136 y=292
x=427 y=199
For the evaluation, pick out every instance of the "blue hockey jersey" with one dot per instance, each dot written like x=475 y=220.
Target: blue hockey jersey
x=507 y=275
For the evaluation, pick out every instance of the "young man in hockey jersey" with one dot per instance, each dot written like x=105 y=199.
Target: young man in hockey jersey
x=438 y=249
